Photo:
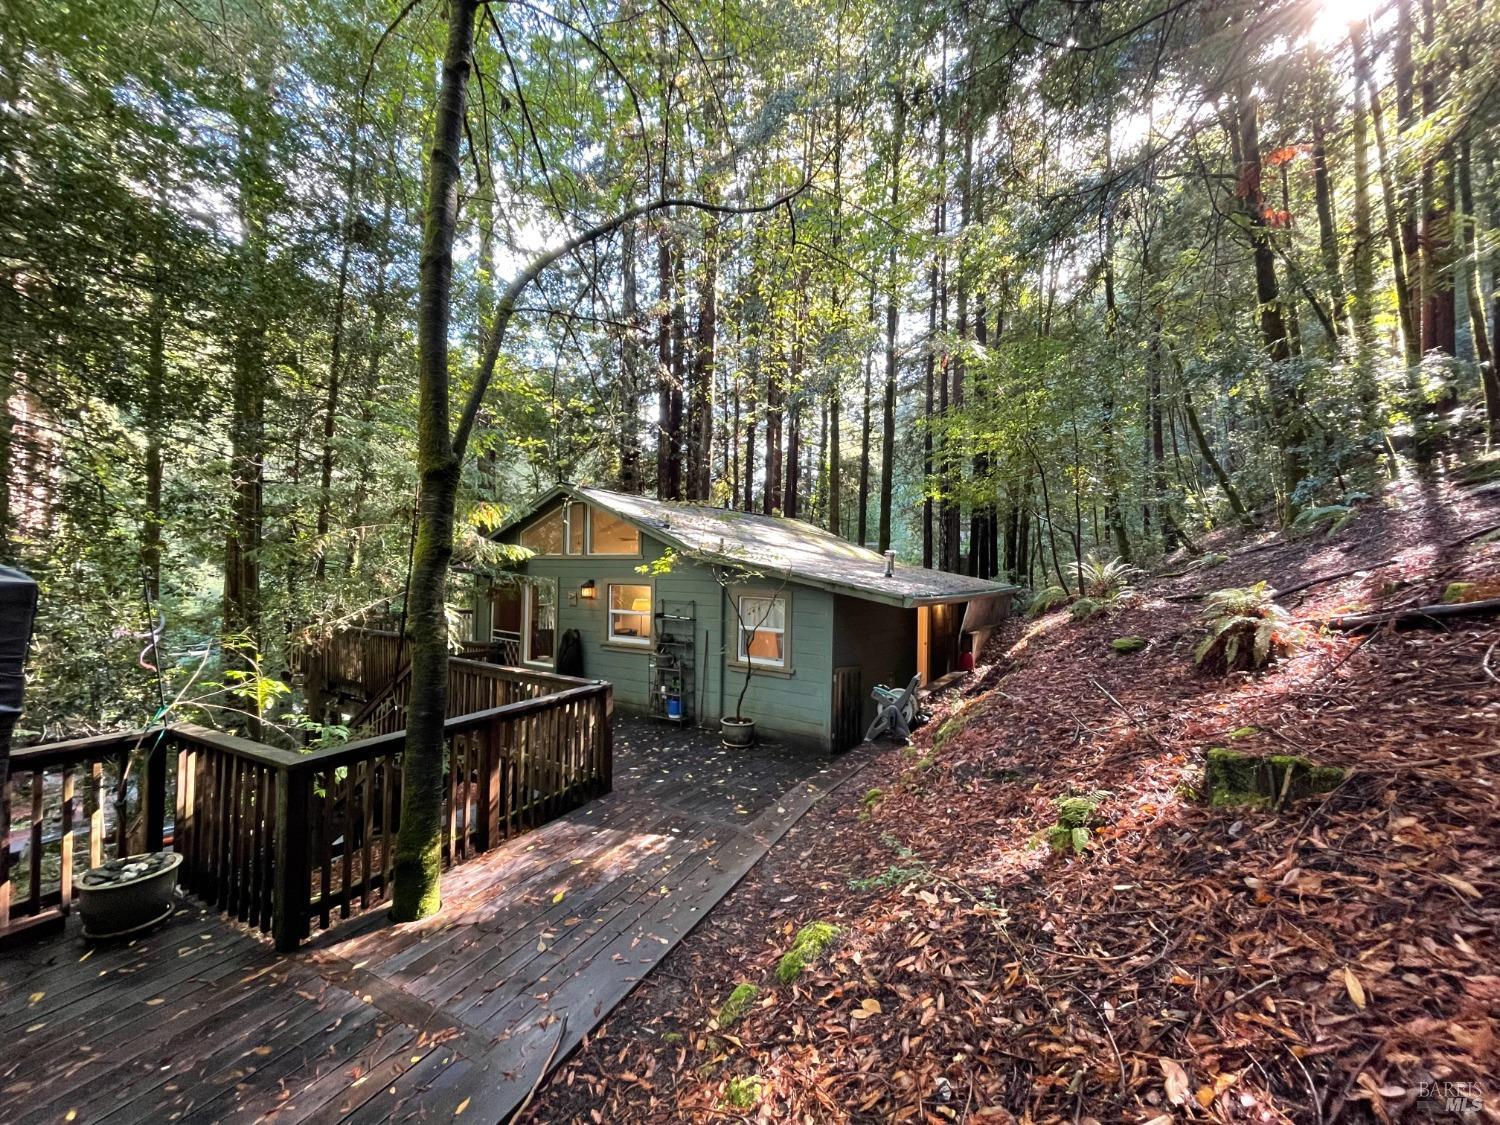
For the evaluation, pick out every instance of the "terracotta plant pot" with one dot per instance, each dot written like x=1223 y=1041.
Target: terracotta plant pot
x=125 y=896
x=737 y=732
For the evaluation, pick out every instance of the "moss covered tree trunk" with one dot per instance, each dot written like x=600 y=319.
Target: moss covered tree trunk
x=417 y=866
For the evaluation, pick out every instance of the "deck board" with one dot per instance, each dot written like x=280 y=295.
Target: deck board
x=537 y=941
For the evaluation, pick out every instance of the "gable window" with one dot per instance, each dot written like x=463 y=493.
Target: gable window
x=610 y=535
x=762 y=630
x=547 y=534
x=629 y=614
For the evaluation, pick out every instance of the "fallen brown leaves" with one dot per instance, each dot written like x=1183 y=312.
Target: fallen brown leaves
x=1316 y=964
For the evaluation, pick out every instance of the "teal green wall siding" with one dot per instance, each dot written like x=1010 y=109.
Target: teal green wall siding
x=794 y=708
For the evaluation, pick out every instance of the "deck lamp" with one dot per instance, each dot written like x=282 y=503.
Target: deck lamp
x=588 y=591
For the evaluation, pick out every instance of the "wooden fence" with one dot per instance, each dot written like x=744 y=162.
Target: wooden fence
x=284 y=841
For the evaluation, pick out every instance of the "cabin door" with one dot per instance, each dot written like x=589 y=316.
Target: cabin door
x=539 y=622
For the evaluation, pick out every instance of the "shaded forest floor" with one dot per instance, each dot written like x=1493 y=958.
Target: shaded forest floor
x=1321 y=963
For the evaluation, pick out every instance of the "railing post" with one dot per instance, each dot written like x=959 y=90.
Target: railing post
x=291 y=898
x=154 y=793
x=490 y=779
x=607 y=750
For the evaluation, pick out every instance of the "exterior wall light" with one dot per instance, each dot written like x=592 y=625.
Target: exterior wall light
x=588 y=591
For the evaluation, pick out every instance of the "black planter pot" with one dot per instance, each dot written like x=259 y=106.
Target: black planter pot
x=115 y=902
x=737 y=733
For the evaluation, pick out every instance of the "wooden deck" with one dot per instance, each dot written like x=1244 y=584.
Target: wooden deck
x=458 y=1014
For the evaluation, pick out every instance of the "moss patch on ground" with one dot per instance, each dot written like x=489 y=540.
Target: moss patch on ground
x=811 y=942
x=742 y=1092
x=1128 y=644
x=1232 y=777
x=1084 y=608
x=738 y=1004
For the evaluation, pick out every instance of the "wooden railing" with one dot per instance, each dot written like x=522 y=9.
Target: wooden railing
x=473 y=685
x=355 y=661
x=39 y=808
x=502 y=648
x=284 y=841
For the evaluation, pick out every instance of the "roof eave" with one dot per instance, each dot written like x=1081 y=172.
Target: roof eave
x=952 y=599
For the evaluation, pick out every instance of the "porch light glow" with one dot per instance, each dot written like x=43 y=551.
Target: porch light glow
x=588 y=591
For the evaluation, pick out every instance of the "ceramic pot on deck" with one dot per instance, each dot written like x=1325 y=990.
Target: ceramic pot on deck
x=125 y=896
x=737 y=732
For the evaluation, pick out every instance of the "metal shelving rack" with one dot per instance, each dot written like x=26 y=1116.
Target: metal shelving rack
x=673 y=664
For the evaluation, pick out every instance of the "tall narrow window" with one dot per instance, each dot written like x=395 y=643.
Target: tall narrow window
x=577 y=527
x=541 y=622
x=762 y=630
x=630 y=614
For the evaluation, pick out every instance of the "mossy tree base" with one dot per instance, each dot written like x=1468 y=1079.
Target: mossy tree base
x=737 y=1005
x=1232 y=777
x=809 y=944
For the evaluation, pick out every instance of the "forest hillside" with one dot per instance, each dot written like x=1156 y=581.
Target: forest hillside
x=299 y=300
x=1326 y=954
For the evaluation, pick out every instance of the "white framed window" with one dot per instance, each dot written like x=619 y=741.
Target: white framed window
x=629 y=614
x=762 y=630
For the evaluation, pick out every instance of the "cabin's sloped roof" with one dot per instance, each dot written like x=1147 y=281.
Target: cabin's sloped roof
x=775 y=547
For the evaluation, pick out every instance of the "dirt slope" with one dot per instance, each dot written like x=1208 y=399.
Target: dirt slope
x=1327 y=962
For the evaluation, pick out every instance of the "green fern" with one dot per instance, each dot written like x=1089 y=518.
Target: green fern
x=1076 y=819
x=1335 y=516
x=1104 y=581
x=1244 y=630
x=1045 y=600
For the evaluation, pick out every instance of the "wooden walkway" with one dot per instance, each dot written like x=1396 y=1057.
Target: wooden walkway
x=459 y=1014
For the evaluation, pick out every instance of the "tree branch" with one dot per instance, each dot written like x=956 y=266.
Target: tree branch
x=506 y=308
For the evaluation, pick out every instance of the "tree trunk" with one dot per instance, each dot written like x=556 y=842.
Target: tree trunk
x=668 y=391
x=929 y=402
x=773 y=445
x=1406 y=311
x=701 y=406
x=888 y=408
x=1440 y=311
x=1214 y=465
x=793 y=465
x=1328 y=240
x=834 y=409
x=418 y=852
x=1362 y=263
x=1473 y=285
x=1282 y=393
x=1410 y=198
x=628 y=439
x=676 y=413
x=750 y=427
x=156 y=379
x=862 y=532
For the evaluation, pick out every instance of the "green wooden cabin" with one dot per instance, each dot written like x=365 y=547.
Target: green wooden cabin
x=673 y=602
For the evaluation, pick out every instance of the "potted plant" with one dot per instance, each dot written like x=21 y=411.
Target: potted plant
x=127 y=895
x=737 y=730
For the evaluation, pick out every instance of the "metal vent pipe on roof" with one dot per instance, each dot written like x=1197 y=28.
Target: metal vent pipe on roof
x=890 y=563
